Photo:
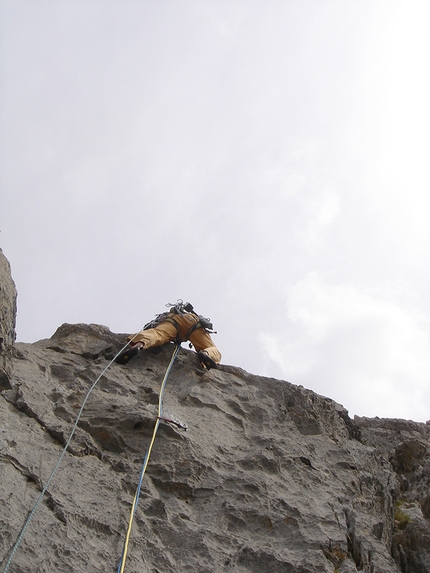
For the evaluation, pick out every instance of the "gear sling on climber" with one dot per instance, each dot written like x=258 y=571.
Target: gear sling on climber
x=179 y=324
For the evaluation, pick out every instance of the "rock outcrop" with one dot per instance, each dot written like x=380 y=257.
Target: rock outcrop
x=406 y=445
x=269 y=476
x=7 y=320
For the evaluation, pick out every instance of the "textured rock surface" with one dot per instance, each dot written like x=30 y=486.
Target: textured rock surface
x=7 y=320
x=406 y=445
x=269 y=477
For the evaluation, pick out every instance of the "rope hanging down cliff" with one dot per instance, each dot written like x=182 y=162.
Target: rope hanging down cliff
x=121 y=564
x=60 y=459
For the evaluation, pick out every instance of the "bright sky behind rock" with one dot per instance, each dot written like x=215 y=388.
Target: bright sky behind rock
x=265 y=160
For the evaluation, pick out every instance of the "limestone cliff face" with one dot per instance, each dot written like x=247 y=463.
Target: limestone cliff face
x=7 y=320
x=269 y=477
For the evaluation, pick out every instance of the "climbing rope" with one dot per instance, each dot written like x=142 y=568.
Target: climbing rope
x=121 y=564
x=33 y=511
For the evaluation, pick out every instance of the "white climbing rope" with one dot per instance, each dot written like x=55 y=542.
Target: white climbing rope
x=36 y=505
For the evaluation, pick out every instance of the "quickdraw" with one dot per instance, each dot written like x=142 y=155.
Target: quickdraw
x=174 y=423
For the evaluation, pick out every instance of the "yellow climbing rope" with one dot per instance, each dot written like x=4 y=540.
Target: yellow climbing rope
x=121 y=564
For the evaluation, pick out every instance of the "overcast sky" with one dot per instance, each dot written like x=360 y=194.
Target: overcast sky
x=267 y=160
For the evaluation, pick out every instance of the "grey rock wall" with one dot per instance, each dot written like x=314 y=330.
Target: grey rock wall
x=406 y=445
x=269 y=476
x=8 y=297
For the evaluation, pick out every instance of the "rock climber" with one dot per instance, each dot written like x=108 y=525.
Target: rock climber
x=179 y=324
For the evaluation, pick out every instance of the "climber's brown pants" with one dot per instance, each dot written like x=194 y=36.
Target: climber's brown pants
x=167 y=332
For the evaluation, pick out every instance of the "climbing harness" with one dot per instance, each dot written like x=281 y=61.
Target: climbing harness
x=123 y=558
x=178 y=308
x=54 y=471
x=181 y=308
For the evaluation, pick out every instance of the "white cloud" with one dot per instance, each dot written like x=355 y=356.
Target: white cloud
x=321 y=212
x=358 y=346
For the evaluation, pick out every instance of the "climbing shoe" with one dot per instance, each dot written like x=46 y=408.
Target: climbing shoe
x=127 y=355
x=205 y=360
